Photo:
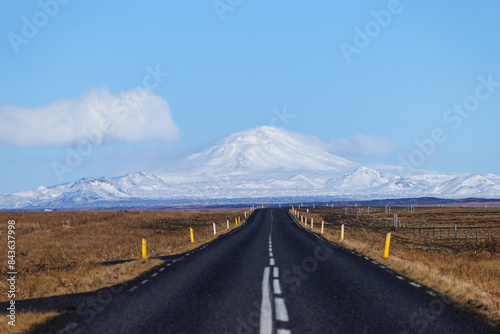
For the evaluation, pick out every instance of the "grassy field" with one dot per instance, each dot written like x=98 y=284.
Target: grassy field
x=24 y=320
x=425 y=248
x=62 y=252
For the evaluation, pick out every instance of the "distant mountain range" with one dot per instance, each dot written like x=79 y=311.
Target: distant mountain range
x=262 y=164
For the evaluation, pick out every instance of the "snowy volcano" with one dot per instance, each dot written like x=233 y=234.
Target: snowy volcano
x=259 y=150
x=264 y=163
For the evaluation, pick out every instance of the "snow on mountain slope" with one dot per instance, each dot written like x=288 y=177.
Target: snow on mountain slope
x=262 y=162
x=92 y=189
x=468 y=185
x=297 y=181
x=492 y=177
x=141 y=184
x=398 y=186
x=362 y=178
x=258 y=150
x=82 y=191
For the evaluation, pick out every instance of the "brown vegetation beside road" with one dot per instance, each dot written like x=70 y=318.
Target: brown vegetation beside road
x=52 y=245
x=423 y=254
x=25 y=320
x=62 y=252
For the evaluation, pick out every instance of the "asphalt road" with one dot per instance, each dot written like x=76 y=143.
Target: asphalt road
x=269 y=276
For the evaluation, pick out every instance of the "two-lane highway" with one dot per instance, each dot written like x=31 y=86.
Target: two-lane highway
x=272 y=276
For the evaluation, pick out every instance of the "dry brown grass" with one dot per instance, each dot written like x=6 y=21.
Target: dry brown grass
x=81 y=278
x=445 y=265
x=55 y=258
x=24 y=321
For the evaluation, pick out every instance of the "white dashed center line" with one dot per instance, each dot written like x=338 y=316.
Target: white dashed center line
x=276 y=287
x=283 y=331
x=281 y=313
x=266 y=321
x=266 y=310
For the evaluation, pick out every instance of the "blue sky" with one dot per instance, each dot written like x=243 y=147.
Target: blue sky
x=370 y=78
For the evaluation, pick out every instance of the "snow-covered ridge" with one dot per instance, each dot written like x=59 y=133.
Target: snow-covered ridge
x=262 y=162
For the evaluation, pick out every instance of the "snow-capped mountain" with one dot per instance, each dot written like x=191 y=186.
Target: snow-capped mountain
x=259 y=150
x=142 y=184
x=361 y=178
x=468 y=185
x=90 y=190
x=264 y=163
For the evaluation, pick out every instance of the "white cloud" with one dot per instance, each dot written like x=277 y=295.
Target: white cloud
x=133 y=115
x=359 y=144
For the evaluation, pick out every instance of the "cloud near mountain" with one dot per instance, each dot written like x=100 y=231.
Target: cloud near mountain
x=359 y=144
x=132 y=115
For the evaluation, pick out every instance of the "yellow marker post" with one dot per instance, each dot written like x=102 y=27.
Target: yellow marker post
x=192 y=236
x=387 y=243
x=144 y=254
x=355 y=205
x=239 y=219
x=236 y=221
x=342 y=232
x=322 y=226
